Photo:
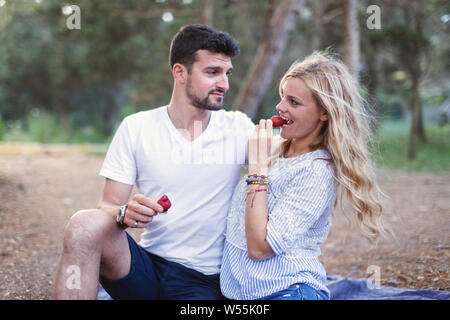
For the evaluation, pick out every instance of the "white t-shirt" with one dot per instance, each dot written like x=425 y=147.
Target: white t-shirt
x=199 y=178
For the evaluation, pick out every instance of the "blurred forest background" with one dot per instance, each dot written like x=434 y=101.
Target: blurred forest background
x=64 y=90
x=61 y=85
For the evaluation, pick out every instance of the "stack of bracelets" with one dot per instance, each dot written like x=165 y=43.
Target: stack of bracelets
x=255 y=179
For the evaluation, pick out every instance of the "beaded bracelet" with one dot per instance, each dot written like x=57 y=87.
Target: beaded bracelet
x=257 y=182
x=257 y=176
x=255 y=179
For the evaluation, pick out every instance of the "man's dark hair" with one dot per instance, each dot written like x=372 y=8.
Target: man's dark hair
x=193 y=37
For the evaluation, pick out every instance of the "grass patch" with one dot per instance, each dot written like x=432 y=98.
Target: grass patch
x=45 y=128
x=391 y=147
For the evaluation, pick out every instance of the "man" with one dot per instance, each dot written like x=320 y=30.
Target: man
x=192 y=151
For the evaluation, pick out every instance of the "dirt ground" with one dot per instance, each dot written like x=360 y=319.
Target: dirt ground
x=40 y=189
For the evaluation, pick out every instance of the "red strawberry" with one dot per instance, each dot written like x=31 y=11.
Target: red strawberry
x=277 y=121
x=165 y=203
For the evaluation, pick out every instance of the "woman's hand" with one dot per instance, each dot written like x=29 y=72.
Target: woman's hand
x=259 y=148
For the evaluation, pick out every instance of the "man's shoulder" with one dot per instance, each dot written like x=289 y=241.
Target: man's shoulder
x=144 y=115
x=232 y=113
x=235 y=117
x=143 y=118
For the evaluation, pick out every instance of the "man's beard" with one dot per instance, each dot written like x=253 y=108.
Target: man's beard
x=204 y=103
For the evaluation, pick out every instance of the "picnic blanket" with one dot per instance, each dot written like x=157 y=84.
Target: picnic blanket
x=360 y=289
x=364 y=289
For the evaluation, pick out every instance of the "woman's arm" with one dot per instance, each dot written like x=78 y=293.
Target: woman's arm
x=256 y=210
x=256 y=217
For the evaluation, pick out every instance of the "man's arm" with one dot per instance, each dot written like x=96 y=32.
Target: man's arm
x=140 y=208
x=115 y=194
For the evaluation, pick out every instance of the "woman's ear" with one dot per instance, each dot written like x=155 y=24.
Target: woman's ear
x=324 y=116
x=179 y=73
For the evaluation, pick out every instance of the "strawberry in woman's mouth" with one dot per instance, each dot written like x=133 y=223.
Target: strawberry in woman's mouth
x=279 y=121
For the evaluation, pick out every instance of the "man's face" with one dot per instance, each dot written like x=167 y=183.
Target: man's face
x=207 y=83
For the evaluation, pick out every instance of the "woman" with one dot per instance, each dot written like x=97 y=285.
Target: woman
x=281 y=212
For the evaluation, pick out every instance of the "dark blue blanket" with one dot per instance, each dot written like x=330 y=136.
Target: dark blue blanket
x=361 y=289
x=364 y=289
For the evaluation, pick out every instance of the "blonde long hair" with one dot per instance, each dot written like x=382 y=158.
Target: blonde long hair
x=345 y=135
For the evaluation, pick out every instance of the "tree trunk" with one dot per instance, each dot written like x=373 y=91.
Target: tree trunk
x=64 y=114
x=268 y=56
x=318 y=11
x=421 y=128
x=419 y=21
x=372 y=84
x=206 y=13
x=414 y=17
x=351 y=38
x=415 y=118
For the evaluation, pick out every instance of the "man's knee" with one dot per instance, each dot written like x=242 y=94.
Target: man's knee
x=86 y=229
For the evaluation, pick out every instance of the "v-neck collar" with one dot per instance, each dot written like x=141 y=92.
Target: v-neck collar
x=179 y=135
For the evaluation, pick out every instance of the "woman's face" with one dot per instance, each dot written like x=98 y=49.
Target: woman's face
x=297 y=105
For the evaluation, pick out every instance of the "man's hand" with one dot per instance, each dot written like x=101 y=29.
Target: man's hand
x=140 y=211
x=140 y=208
x=259 y=148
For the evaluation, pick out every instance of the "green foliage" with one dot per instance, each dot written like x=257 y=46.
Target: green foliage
x=392 y=147
x=15 y=132
x=2 y=128
x=85 y=81
x=44 y=127
x=127 y=110
x=391 y=107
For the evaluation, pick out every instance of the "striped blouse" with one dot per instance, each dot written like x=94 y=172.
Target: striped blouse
x=300 y=206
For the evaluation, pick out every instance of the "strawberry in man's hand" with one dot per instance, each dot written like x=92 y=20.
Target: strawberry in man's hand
x=165 y=203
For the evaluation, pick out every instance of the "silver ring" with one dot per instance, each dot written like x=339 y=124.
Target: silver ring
x=135 y=224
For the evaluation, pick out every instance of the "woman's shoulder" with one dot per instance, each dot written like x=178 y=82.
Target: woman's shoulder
x=315 y=166
x=317 y=160
x=321 y=160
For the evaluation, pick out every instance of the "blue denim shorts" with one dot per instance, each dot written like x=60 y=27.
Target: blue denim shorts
x=154 y=278
x=298 y=291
